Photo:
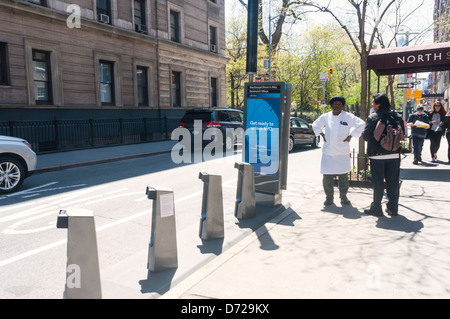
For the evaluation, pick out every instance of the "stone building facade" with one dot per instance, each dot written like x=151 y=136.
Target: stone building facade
x=110 y=58
x=441 y=80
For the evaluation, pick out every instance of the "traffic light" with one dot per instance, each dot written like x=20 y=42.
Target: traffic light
x=330 y=72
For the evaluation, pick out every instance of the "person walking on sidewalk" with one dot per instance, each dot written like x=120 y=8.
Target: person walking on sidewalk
x=418 y=133
x=447 y=127
x=384 y=165
x=436 y=131
x=337 y=128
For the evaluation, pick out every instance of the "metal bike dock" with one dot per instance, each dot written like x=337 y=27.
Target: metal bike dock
x=82 y=270
x=245 y=206
x=211 y=221
x=162 y=251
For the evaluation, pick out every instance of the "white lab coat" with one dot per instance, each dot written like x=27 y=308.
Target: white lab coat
x=336 y=152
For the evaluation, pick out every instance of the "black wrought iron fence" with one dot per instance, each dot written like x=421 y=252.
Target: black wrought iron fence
x=61 y=135
x=360 y=172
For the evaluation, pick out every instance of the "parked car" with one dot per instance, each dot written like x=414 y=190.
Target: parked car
x=301 y=133
x=221 y=118
x=17 y=161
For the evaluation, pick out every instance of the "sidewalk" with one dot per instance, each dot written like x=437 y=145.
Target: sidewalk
x=69 y=159
x=310 y=251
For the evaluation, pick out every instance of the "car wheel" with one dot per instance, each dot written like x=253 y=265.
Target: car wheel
x=12 y=175
x=291 y=144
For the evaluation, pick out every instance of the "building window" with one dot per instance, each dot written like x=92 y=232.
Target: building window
x=174 y=26
x=176 y=89
x=140 y=24
x=39 y=2
x=104 y=11
x=213 y=39
x=213 y=92
x=42 y=77
x=4 y=74
x=142 y=85
x=107 y=82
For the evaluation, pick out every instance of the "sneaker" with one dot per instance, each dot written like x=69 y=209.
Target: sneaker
x=391 y=213
x=416 y=162
x=328 y=201
x=373 y=213
x=433 y=160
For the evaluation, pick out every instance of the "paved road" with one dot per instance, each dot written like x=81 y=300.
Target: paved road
x=33 y=254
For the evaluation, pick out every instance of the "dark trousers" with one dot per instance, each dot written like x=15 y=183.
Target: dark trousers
x=435 y=142
x=385 y=170
x=448 y=141
x=417 y=145
x=328 y=185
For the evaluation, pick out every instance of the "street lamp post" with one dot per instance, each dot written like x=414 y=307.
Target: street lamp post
x=270 y=42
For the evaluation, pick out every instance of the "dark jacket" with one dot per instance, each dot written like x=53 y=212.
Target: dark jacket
x=373 y=146
x=418 y=131
x=447 y=123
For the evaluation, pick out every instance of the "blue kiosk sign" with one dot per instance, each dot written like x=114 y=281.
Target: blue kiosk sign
x=266 y=120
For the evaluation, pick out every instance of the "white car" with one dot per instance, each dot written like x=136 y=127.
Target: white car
x=17 y=161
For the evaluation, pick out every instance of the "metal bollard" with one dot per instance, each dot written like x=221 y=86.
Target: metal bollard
x=211 y=221
x=245 y=195
x=162 y=251
x=82 y=270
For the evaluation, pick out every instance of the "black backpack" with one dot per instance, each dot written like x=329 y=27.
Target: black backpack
x=389 y=132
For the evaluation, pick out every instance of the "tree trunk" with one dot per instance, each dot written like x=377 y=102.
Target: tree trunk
x=363 y=108
x=232 y=91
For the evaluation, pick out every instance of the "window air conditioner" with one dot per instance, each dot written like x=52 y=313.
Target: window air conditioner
x=141 y=28
x=103 y=18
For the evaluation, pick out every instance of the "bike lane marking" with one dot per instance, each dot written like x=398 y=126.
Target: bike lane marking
x=30 y=253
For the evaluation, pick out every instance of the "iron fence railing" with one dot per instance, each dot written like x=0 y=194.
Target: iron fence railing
x=360 y=168
x=61 y=135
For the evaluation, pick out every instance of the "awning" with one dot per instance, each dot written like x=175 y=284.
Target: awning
x=414 y=59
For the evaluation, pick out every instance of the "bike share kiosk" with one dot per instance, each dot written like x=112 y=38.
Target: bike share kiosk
x=266 y=124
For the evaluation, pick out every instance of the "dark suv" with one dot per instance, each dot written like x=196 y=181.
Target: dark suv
x=221 y=118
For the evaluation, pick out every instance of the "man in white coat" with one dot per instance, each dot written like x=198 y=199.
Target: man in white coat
x=337 y=128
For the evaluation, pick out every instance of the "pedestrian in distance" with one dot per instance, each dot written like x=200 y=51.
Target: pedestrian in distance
x=437 y=130
x=337 y=128
x=384 y=164
x=418 y=132
x=447 y=128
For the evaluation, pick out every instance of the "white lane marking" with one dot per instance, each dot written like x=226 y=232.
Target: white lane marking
x=107 y=226
x=56 y=201
x=27 y=191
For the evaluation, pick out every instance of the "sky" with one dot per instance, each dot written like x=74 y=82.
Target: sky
x=423 y=19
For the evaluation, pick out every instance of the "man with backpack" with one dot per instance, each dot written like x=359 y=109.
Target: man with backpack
x=383 y=131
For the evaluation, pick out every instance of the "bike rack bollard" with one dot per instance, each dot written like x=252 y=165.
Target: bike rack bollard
x=245 y=207
x=162 y=251
x=211 y=221
x=82 y=270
